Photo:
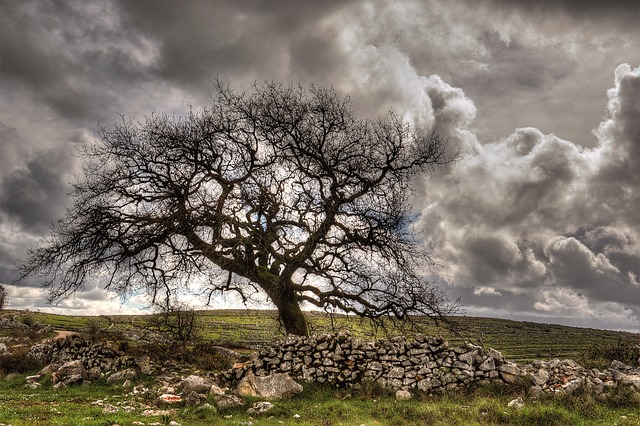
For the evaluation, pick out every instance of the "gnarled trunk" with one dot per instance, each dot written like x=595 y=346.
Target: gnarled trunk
x=286 y=300
x=292 y=318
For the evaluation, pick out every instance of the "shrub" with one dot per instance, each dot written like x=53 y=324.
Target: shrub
x=601 y=355
x=95 y=329
x=27 y=319
x=203 y=356
x=17 y=361
x=178 y=322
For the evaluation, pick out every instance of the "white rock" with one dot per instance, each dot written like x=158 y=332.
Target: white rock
x=517 y=403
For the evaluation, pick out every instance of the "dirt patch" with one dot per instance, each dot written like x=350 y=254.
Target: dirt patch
x=61 y=334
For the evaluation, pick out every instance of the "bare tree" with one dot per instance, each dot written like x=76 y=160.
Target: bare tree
x=176 y=320
x=3 y=297
x=283 y=192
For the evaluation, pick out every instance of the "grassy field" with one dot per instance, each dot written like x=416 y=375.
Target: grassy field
x=518 y=341
x=324 y=406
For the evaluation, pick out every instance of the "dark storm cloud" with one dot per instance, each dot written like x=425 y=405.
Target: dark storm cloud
x=250 y=40
x=520 y=68
x=513 y=221
x=68 y=54
x=618 y=13
x=616 y=183
x=539 y=215
x=35 y=196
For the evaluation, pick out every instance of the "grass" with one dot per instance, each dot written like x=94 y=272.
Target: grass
x=519 y=341
x=323 y=405
x=317 y=405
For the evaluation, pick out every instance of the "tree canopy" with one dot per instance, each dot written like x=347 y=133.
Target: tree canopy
x=283 y=191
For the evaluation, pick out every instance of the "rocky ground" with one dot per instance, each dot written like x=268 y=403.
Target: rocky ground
x=425 y=365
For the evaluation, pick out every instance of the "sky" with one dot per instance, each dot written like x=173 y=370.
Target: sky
x=537 y=220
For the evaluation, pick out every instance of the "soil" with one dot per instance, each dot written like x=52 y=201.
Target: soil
x=61 y=334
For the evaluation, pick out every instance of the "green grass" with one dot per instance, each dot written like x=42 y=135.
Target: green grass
x=518 y=341
x=317 y=405
x=322 y=405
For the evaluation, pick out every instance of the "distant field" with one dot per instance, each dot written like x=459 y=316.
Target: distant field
x=518 y=341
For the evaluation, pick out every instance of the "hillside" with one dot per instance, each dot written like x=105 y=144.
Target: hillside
x=518 y=341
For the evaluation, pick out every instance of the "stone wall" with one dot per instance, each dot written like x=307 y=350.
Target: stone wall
x=104 y=356
x=428 y=364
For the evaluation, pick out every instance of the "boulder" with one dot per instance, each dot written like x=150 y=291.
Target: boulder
x=70 y=372
x=215 y=390
x=194 y=398
x=145 y=365
x=510 y=373
x=195 y=384
x=275 y=386
x=224 y=401
x=122 y=376
x=94 y=373
x=540 y=377
x=488 y=364
x=403 y=395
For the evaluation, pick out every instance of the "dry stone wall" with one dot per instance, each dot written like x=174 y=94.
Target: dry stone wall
x=102 y=356
x=428 y=364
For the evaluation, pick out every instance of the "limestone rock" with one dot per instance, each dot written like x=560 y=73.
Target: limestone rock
x=215 y=390
x=275 y=386
x=540 y=377
x=70 y=372
x=224 y=401
x=122 y=376
x=403 y=395
x=196 y=384
x=260 y=407
x=145 y=365
x=517 y=403
x=510 y=373
x=168 y=399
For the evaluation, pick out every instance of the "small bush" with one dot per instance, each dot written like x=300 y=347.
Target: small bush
x=27 y=319
x=95 y=329
x=623 y=397
x=178 y=322
x=601 y=355
x=17 y=361
x=203 y=356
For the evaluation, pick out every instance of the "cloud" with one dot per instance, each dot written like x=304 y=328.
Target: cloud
x=35 y=195
x=536 y=214
x=511 y=221
x=93 y=302
x=486 y=291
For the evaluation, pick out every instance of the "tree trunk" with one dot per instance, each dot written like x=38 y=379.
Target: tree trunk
x=290 y=314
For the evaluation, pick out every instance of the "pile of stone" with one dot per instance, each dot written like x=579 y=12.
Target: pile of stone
x=103 y=357
x=427 y=364
x=8 y=322
x=567 y=376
